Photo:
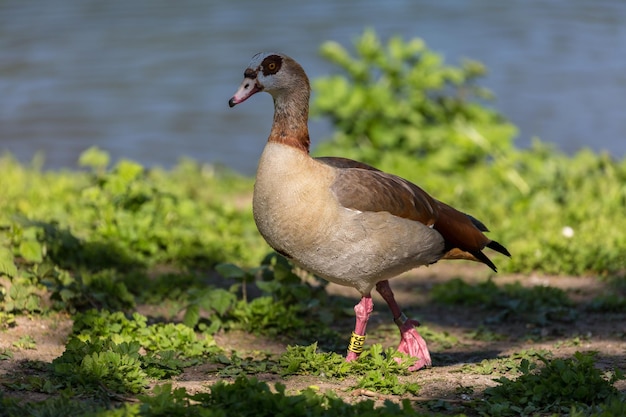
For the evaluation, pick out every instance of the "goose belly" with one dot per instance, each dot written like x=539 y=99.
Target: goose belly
x=350 y=248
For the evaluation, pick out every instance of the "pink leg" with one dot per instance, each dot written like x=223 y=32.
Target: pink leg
x=411 y=342
x=363 y=311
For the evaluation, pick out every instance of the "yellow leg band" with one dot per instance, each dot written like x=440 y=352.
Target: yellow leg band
x=356 y=343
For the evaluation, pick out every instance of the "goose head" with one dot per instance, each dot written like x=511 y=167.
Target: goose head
x=274 y=73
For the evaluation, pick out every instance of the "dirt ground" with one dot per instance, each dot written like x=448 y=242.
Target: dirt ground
x=604 y=333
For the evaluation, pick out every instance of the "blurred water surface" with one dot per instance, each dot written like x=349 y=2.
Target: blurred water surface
x=150 y=80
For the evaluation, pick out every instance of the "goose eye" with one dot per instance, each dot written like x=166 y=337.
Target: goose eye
x=271 y=65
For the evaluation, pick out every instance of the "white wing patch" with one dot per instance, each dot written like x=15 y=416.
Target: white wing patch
x=353 y=210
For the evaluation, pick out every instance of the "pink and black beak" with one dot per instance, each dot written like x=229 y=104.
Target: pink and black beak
x=249 y=87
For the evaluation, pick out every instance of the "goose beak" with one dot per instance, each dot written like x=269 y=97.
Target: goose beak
x=248 y=88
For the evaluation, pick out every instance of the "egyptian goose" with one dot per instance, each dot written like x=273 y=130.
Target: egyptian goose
x=344 y=220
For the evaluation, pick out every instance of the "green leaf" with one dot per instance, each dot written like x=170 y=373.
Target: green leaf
x=31 y=250
x=230 y=271
x=128 y=170
x=192 y=315
x=7 y=264
x=94 y=158
x=218 y=300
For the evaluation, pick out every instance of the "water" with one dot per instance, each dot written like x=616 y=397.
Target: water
x=150 y=80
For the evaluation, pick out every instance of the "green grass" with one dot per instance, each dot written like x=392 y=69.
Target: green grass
x=97 y=243
x=556 y=387
x=378 y=369
x=537 y=305
x=225 y=399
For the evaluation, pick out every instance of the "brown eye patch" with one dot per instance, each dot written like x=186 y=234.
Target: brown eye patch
x=271 y=64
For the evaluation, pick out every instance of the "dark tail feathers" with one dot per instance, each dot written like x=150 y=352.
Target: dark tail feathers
x=498 y=248
x=484 y=259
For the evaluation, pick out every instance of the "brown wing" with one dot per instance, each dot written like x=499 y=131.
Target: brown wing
x=361 y=187
x=338 y=162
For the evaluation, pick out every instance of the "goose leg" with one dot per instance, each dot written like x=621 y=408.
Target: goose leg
x=363 y=311
x=411 y=342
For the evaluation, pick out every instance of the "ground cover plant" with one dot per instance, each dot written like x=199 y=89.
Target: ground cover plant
x=131 y=291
